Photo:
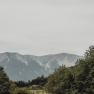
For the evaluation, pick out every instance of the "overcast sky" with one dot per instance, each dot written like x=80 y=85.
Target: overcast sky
x=46 y=26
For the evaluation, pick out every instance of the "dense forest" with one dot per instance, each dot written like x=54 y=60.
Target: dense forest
x=78 y=79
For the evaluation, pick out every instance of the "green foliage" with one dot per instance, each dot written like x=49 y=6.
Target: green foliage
x=21 y=84
x=4 y=82
x=74 y=80
x=38 y=81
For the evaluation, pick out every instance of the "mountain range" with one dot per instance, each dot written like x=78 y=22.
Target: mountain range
x=28 y=67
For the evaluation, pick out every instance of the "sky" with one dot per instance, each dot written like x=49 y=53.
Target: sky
x=42 y=27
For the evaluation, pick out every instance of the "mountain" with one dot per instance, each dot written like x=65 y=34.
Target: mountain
x=28 y=67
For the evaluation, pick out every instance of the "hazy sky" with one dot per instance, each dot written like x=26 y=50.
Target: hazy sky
x=46 y=26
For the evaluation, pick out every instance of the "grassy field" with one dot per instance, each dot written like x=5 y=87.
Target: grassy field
x=30 y=91
x=38 y=92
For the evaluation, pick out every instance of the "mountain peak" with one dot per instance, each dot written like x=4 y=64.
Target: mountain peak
x=28 y=67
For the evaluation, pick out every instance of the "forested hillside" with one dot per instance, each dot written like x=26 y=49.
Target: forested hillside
x=74 y=80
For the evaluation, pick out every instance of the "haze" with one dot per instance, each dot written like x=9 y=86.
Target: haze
x=46 y=26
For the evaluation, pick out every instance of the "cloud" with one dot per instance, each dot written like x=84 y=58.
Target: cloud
x=46 y=26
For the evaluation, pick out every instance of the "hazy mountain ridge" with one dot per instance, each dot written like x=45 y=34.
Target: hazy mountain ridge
x=27 y=67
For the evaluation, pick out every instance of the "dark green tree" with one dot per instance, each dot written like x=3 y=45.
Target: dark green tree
x=78 y=79
x=4 y=82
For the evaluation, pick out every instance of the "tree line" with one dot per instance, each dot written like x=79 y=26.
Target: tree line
x=38 y=81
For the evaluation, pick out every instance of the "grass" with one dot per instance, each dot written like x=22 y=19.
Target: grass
x=38 y=92
x=28 y=90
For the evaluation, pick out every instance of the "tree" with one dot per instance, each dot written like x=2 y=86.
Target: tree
x=78 y=79
x=4 y=82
